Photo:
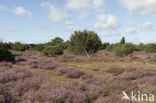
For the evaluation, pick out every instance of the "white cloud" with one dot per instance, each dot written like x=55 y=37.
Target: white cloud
x=59 y=15
x=110 y=33
x=106 y=22
x=22 y=12
x=147 y=26
x=98 y=3
x=130 y=30
x=19 y=11
x=55 y=14
x=148 y=41
x=140 y=7
x=78 y=4
x=85 y=7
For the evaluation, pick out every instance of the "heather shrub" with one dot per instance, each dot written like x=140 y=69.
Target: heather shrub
x=62 y=70
x=61 y=94
x=85 y=42
x=74 y=73
x=150 y=48
x=115 y=70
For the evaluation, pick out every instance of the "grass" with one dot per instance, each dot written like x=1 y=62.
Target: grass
x=51 y=73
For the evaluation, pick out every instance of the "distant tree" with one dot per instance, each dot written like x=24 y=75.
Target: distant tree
x=84 y=42
x=55 y=41
x=122 y=40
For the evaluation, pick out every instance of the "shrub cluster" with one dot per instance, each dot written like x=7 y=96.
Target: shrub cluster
x=150 y=48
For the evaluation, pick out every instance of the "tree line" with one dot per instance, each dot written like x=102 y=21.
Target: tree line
x=80 y=43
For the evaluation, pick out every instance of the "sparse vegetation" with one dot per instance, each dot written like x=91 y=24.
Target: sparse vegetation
x=36 y=76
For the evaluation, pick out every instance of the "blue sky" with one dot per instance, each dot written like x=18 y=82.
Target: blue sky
x=38 y=21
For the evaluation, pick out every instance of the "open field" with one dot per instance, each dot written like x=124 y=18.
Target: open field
x=35 y=78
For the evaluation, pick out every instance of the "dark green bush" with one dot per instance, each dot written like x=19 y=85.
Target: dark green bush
x=85 y=42
x=150 y=48
x=53 y=50
x=5 y=55
x=104 y=45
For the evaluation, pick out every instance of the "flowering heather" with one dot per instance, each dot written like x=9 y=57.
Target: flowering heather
x=115 y=70
x=74 y=73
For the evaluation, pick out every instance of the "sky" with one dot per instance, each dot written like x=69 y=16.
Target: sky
x=39 y=21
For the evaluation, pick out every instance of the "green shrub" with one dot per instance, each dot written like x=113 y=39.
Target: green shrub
x=53 y=50
x=140 y=47
x=109 y=48
x=150 y=48
x=38 y=47
x=19 y=47
x=124 y=50
x=5 y=55
x=85 y=42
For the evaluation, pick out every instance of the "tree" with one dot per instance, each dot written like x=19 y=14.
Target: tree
x=84 y=42
x=122 y=40
x=55 y=41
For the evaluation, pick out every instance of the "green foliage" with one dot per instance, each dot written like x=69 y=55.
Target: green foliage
x=85 y=42
x=140 y=47
x=55 y=47
x=109 y=48
x=104 y=45
x=56 y=41
x=5 y=55
x=150 y=48
x=38 y=47
x=122 y=40
x=19 y=47
x=124 y=50
x=53 y=50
